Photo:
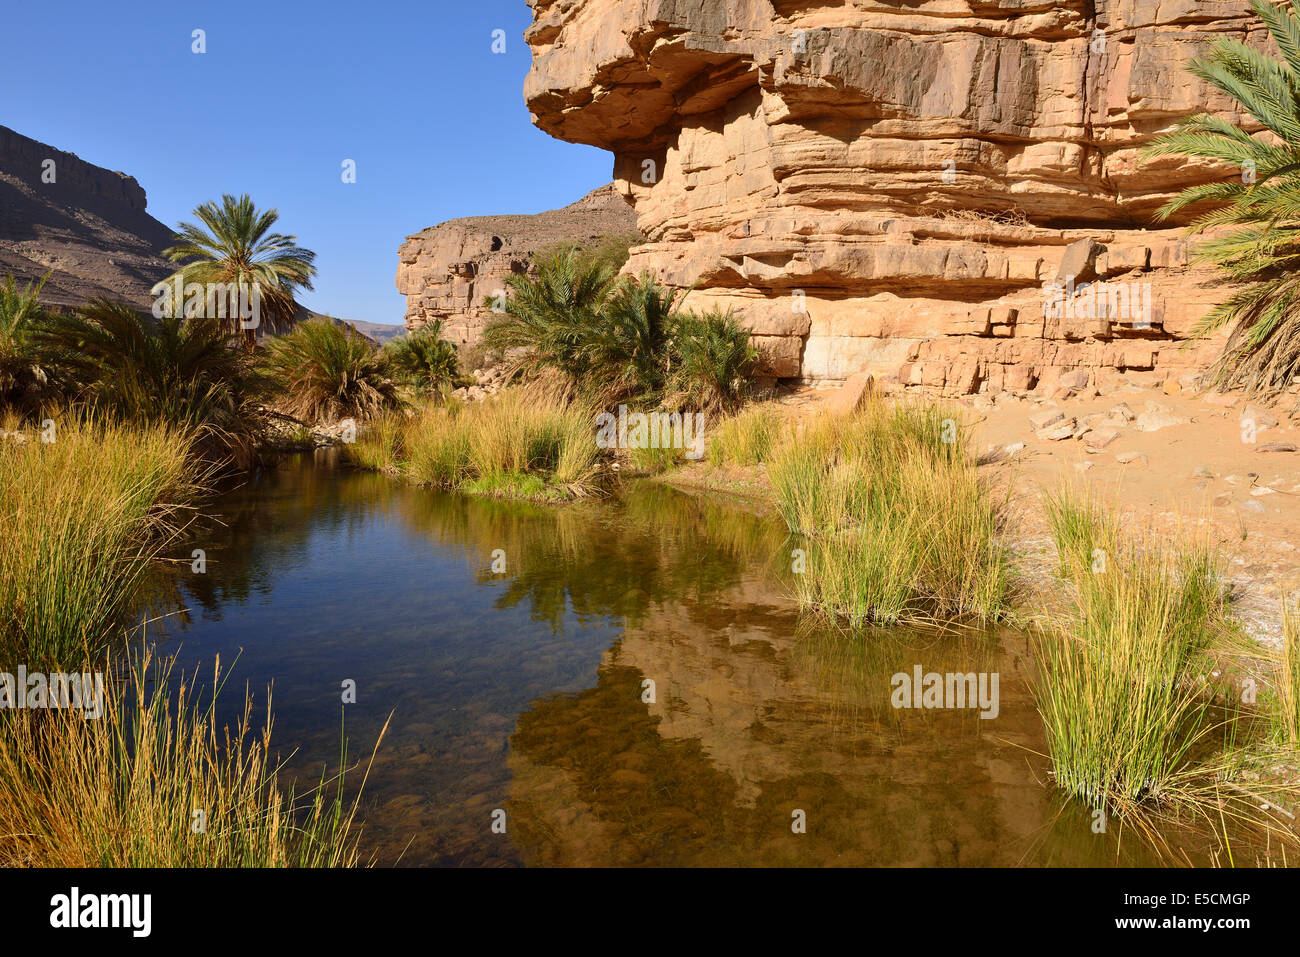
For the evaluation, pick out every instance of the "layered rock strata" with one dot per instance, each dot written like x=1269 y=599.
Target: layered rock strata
x=86 y=226
x=448 y=271
x=895 y=189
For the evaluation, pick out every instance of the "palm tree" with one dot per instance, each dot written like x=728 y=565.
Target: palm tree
x=424 y=360
x=324 y=371
x=179 y=370
x=1262 y=202
x=24 y=376
x=629 y=348
x=715 y=362
x=545 y=323
x=234 y=244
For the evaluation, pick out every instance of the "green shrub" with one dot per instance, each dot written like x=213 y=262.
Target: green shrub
x=896 y=522
x=715 y=362
x=322 y=371
x=25 y=379
x=425 y=362
x=127 y=365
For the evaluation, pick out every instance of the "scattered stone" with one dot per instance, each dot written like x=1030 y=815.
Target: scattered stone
x=1202 y=472
x=1278 y=447
x=1154 y=421
x=1262 y=419
x=1076 y=381
x=1079 y=262
x=1172 y=387
x=851 y=396
x=1123 y=411
x=1252 y=506
x=1082 y=466
x=1014 y=448
x=1100 y=438
x=1132 y=458
x=1261 y=491
x=1055 y=433
x=1223 y=499
x=1041 y=420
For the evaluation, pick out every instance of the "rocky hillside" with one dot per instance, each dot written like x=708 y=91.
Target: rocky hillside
x=890 y=188
x=446 y=271
x=89 y=226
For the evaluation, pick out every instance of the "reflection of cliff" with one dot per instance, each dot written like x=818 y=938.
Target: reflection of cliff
x=753 y=721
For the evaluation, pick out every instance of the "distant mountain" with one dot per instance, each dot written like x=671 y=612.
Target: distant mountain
x=379 y=331
x=84 y=224
x=88 y=228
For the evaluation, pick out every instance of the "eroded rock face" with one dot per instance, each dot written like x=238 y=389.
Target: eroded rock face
x=888 y=189
x=86 y=226
x=447 y=271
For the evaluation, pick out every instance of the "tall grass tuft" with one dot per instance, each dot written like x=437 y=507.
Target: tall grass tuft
x=1122 y=685
x=512 y=444
x=121 y=790
x=748 y=437
x=380 y=444
x=1288 y=679
x=897 y=523
x=323 y=372
x=83 y=516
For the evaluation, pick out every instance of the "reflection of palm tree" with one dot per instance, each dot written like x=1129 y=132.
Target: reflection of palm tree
x=258 y=531
x=588 y=561
x=596 y=563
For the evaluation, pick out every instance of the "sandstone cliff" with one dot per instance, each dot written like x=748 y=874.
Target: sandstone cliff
x=889 y=188
x=89 y=226
x=448 y=270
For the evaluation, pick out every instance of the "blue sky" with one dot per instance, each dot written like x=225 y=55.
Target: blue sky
x=285 y=93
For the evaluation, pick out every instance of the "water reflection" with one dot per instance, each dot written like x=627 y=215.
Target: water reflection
x=527 y=690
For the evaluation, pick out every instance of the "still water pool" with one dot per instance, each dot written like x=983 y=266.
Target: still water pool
x=634 y=686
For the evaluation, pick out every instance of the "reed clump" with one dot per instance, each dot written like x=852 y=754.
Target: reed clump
x=1123 y=671
x=157 y=780
x=1288 y=679
x=894 y=520
x=84 y=514
x=748 y=437
x=513 y=445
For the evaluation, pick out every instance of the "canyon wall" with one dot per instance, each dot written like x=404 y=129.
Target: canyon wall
x=448 y=271
x=88 y=227
x=895 y=188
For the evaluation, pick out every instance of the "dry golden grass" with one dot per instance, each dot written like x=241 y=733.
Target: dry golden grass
x=158 y=781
